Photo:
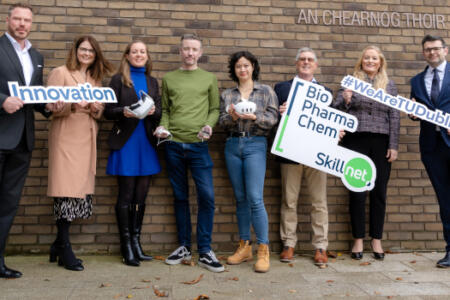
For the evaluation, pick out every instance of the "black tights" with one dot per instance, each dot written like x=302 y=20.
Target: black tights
x=132 y=190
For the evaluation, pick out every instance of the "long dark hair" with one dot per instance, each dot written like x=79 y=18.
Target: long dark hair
x=99 y=68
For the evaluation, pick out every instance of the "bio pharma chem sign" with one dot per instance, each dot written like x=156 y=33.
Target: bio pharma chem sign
x=309 y=133
x=71 y=94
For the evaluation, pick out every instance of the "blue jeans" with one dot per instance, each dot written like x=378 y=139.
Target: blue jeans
x=246 y=163
x=195 y=156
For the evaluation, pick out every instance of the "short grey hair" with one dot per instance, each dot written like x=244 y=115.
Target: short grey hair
x=305 y=49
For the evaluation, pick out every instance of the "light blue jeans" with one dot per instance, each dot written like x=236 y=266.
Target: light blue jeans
x=246 y=163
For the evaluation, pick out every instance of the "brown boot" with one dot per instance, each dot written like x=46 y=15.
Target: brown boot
x=263 y=262
x=320 y=257
x=243 y=253
x=287 y=255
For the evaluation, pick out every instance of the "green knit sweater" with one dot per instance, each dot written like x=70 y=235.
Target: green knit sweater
x=190 y=100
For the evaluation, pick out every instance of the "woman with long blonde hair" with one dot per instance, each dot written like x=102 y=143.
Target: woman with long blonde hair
x=376 y=137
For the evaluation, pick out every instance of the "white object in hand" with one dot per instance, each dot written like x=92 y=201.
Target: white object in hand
x=245 y=107
x=161 y=131
x=141 y=108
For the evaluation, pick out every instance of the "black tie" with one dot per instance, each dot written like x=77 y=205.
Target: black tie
x=434 y=94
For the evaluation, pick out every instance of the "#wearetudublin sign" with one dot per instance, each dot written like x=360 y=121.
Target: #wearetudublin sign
x=309 y=133
x=71 y=94
x=405 y=105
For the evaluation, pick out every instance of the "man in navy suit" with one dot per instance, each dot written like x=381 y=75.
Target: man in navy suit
x=19 y=62
x=291 y=179
x=432 y=88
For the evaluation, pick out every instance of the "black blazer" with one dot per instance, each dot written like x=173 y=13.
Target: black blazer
x=282 y=90
x=12 y=126
x=427 y=139
x=124 y=127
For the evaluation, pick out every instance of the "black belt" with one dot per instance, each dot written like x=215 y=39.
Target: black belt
x=241 y=134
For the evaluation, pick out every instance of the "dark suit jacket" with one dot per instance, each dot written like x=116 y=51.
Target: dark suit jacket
x=13 y=125
x=124 y=127
x=427 y=138
x=282 y=90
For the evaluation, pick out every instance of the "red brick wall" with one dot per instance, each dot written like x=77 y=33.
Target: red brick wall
x=269 y=29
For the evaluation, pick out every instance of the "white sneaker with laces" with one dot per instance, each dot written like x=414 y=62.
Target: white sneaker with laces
x=210 y=262
x=177 y=256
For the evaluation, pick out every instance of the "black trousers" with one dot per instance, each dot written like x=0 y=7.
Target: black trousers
x=14 y=165
x=375 y=146
x=437 y=164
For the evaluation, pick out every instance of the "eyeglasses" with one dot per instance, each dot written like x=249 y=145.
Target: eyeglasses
x=86 y=50
x=308 y=59
x=429 y=50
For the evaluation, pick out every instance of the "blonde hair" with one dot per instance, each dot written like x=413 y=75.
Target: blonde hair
x=381 y=79
x=124 y=68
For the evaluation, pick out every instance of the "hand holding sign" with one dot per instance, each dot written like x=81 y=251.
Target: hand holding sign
x=12 y=104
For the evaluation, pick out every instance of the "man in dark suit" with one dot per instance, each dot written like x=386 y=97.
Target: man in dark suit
x=432 y=88
x=19 y=62
x=291 y=179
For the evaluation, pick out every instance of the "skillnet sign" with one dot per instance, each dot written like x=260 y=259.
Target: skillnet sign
x=71 y=94
x=309 y=134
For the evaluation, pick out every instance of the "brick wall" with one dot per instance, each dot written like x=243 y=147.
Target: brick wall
x=269 y=29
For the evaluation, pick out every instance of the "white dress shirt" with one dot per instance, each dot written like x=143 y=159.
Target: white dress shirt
x=24 y=57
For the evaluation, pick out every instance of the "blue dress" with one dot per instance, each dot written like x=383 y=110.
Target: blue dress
x=137 y=157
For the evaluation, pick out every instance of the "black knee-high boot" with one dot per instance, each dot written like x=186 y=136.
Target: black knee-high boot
x=123 y=222
x=64 y=248
x=137 y=216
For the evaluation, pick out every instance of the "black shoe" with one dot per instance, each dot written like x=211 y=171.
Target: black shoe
x=444 y=262
x=210 y=262
x=378 y=255
x=123 y=221
x=356 y=255
x=6 y=272
x=53 y=256
x=67 y=258
x=177 y=256
x=136 y=218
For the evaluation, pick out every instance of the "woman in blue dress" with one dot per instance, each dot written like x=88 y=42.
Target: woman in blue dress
x=133 y=158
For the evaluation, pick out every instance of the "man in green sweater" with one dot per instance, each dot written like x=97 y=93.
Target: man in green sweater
x=190 y=109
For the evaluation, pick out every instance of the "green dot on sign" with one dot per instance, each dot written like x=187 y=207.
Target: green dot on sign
x=358 y=172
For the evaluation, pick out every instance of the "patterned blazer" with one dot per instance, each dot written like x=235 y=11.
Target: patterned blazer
x=373 y=116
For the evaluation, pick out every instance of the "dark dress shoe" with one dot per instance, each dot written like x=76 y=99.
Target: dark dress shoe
x=444 y=262
x=378 y=255
x=6 y=272
x=356 y=255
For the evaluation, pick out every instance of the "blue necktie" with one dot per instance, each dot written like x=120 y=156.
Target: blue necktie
x=434 y=94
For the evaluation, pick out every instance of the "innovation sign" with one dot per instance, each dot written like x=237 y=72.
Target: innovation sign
x=50 y=94
x=309 y=134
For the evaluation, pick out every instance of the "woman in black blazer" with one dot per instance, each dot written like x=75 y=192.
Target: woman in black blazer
x=133 y=158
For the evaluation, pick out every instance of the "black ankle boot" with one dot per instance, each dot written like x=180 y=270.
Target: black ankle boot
x=67 y=258
x=53 y=256
x=123 y=222
x=136 y=217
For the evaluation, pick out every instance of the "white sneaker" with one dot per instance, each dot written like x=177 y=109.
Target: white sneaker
x=210 y=262
x=177 y=256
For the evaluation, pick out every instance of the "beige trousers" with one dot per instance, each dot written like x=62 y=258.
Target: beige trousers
x=316 y=183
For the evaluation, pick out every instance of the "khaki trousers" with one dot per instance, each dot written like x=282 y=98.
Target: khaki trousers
x=316 y=183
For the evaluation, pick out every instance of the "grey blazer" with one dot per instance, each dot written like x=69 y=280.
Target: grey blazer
x=373 y=116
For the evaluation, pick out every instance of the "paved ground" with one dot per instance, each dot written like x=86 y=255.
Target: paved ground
x=401 y=276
